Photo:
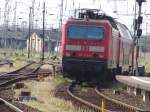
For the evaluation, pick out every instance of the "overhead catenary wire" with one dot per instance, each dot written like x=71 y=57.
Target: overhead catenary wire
x=53 y=6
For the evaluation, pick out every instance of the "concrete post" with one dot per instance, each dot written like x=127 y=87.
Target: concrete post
x=137 y=91
x=146 y=96
x=130 y=89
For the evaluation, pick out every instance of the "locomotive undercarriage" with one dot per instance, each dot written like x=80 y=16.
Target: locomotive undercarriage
x=87 y=70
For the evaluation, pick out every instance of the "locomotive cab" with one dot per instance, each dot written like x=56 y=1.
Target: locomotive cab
x=90 y=46
x=84 y=50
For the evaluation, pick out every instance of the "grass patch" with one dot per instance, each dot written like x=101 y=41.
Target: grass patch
x=46 y=100
x=60 y=79
x=14 y=54
x=16 y=65
x=118 y=86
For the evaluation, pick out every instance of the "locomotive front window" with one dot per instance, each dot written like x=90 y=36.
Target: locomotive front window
x=85 y=32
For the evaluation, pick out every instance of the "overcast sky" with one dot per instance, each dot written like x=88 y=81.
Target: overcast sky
x=124 y=10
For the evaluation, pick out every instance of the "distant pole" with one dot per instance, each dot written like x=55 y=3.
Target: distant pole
x=15 y=16
x=6 y=12
x=43 y=30
x=139 y=31
x=33 y=5
x=134 y=38
x=29 y=34
x=0 y=15
x=146 y=28
x=60 y=24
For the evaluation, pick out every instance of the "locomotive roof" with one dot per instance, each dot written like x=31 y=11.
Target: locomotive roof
x=111 y=20
x=124 y=31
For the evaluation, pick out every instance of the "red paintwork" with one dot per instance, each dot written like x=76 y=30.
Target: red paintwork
x=116 y=47
x=125 y=51
x=86 y=53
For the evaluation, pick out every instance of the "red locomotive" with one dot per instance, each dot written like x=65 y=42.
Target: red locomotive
x=94 y=45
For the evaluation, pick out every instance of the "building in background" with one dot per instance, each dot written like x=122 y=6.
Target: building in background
x=12 y=40
x=18 y=39
x=36 y=40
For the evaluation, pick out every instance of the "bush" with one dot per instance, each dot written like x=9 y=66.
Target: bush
x=4 y=53
x=16 y=54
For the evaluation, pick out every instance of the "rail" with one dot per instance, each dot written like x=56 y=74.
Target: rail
x=14 y=108
x=119 y=102
x=16 y=70
x=21 y=76
x=95 y=107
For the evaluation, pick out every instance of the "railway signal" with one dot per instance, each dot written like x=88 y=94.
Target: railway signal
x=138 y=31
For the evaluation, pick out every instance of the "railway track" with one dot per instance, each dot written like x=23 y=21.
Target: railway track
x=6 y=80
x=5 y=62
x=92 y=98
x=119 y=104
x=31 y=70
x=3 y=74
x=8 y=107
x=28 y=71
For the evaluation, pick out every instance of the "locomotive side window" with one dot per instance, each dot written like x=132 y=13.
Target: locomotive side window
x=85 y=32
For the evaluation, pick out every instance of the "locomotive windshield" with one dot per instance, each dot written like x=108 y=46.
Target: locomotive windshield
x=85 y=32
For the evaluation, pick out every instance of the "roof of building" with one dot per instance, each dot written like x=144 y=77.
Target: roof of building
x=23 y=35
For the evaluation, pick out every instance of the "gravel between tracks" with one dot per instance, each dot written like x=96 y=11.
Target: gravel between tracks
x=25 y=108
x=89 y=95
x=61 y=92
x=4 y=108
x=127 y=98
x=16 y=65
x=8 y=95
